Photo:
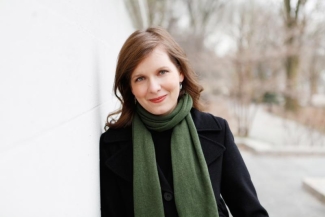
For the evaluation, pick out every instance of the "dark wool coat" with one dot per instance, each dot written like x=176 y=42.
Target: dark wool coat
x=228 y=173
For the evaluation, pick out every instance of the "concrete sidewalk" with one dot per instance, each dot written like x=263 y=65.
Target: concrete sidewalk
x=279 y=183
x=282 y=133
x=287 y=164
x=315 y=186
x=261 y=147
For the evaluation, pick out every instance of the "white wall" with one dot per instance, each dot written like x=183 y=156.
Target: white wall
x=57 y=63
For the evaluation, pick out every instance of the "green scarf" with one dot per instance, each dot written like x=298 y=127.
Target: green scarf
x=192 y=186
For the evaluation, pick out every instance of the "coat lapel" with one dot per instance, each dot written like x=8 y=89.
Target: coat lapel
x=121 y=162
x=208 y=127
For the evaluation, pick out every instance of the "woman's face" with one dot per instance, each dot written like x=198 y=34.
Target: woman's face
x=155 y=82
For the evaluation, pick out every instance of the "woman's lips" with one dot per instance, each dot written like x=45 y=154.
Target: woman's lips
x=158 y=99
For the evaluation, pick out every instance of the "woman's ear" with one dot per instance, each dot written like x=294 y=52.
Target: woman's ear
x=181 y=77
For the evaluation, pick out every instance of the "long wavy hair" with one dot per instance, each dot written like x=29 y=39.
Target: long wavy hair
x=135 y=49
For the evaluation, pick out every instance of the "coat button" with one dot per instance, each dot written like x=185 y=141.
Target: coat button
x=168 y=196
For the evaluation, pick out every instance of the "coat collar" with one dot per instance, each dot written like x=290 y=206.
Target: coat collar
x=205 y=121
x=121 y=162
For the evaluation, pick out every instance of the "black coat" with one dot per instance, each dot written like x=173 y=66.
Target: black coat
x=228 y=173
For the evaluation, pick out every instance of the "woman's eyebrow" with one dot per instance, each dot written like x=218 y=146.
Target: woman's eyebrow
x=137 y=74
x=163 y=67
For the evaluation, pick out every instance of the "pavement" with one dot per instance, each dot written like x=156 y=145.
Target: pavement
x=279 y=182
x=285 y=134
x=315 y=186
x=287 y=164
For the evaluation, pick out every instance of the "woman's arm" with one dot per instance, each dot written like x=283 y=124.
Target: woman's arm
x=110 y=195
x=236 y=185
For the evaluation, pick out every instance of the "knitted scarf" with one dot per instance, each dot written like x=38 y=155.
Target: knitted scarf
x=192 y=186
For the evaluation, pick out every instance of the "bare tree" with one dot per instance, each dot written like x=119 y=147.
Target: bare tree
x=314 y=47
x=145 y=13
x=253 y=60
x=136 y=9
x=295 y=22
x=203 y=16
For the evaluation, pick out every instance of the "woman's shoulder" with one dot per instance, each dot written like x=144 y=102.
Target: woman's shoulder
x=116 y=135
x=205 y=120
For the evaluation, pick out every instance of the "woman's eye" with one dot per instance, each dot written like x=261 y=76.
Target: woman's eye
x=139 y=79
x=162 y=72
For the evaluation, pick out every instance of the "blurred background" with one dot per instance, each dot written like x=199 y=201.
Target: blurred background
x=261 y=63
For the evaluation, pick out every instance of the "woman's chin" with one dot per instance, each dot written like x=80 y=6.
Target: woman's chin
x=160 y=112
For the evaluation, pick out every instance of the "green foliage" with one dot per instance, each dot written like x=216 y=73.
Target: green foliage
x=271 y=98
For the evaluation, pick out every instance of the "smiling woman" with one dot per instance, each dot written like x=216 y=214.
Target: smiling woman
x=138 y=47
x=155 y=82
x=163 y=156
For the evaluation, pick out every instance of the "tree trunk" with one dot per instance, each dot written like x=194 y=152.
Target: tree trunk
x=292 y=60
x=313 y=77
x=291 y=98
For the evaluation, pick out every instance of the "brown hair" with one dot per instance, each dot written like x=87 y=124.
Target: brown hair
x=135 y=49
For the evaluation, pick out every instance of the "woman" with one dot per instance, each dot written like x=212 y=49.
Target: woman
x=163 y=156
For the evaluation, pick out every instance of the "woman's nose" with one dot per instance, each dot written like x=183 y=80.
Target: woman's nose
x=154 y=85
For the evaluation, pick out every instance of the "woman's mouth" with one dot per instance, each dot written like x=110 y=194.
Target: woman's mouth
x=158 y=99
